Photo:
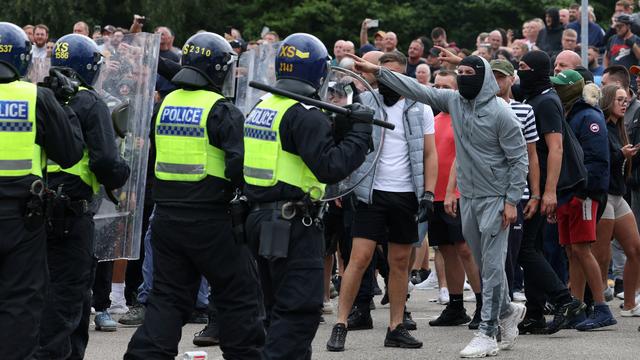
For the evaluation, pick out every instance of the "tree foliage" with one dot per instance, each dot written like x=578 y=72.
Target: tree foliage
x=328 y=19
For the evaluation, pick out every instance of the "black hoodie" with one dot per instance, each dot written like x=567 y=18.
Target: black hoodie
x=550 y=38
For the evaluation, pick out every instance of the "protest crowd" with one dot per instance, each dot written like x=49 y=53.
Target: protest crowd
x=512 y=175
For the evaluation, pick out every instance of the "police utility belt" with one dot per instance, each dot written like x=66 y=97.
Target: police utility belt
x=309 y=211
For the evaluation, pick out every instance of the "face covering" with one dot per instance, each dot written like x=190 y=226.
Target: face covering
x=389 y=97
x=469 y=86
x=569 y=94
x=536 y=80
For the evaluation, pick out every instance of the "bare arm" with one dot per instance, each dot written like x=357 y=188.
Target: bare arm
x=364 y=36
x=450 y=199
x=605 y=59
x=430 y=161
x=554 y=164
x=534 y=181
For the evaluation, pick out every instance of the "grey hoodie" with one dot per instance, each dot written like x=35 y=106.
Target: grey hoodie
x=491 y=154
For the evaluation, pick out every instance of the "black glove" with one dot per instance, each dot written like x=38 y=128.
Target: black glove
x=360 y=113
x=62 y=84
x=425 y=209
x=341 y=126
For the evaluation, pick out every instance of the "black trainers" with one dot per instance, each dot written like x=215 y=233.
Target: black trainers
x=414 y=277
x=401 y=338
x=532 y=326
x=199 y=316
x=408 y=322
x=360 y=319
x=385 y=298
x=209 y=336
x=565 y=314
x=338 y=337
x=618 y=287
x=477 y=319
x=451 y=317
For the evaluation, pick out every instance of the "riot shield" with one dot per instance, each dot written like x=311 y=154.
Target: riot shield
x=38 y=69
x=257 y=64
x=126 y=83
x=343 y=87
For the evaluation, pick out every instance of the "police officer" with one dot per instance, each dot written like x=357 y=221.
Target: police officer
x=199 y=149
x=70 y=232
x=32 y=123
x=290 y=154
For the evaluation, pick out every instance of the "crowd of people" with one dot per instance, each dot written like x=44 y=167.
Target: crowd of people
x=514 y=163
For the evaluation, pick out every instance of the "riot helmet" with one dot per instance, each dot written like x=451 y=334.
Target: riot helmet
x=79 y=53
x=15 y=51
x=302 y=64
x=207 y=61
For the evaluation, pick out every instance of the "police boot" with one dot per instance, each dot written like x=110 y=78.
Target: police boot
x=210 y=335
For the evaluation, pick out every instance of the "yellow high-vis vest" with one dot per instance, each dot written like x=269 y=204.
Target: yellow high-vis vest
x=265 y=162
x=19 y=153
x=183 y=152
x=80 y=169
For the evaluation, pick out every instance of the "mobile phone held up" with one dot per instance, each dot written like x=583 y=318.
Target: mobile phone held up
x=373 y=23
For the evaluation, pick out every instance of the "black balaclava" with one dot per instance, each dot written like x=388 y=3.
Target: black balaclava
x=469 y=86
x=389 y=97
x=536 y=80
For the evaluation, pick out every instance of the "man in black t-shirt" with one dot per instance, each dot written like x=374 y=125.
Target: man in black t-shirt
x=540 y=278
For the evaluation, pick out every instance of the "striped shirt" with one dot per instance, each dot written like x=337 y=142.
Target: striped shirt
x=524 y=112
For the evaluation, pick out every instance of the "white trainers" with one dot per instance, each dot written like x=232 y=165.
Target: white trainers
x=519 y=296
x=635 y=312
x=467 y=286
x=443 y=296
x=327 y=307
x=509 y=326
x=430 y=283
x=480 y=346
x=410 y=287
x=118 y=309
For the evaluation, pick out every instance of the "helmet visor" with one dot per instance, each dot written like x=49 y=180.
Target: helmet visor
x=229 y=85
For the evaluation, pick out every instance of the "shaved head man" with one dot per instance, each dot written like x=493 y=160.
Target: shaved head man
x=372 y=57
x=348 y=47
x=495 y=39
x=566 y=60
x=564 y=17
x=81 y=28
x=338 y=50
x=390 y=41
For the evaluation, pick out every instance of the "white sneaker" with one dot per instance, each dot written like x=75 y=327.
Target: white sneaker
x=443 y=296
x=519 y=296
x=327 y=307
x=430 y=283
x=480 y=346
x=621 y=296
x=470 y=298
x=509 y=326
x=635 y=312
x=93 y=310
x=467 y=286
x=118 y=309
x=410 y=287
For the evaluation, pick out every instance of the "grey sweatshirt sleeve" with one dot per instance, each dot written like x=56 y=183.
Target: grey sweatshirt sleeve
x=412 y=89
x=515 y=149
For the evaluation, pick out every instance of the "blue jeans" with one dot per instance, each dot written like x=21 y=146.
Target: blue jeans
x=147 y=274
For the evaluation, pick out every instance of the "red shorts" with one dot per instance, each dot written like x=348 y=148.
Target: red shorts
x=577 y=221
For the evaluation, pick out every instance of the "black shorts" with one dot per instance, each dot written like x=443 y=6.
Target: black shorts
x=390 y=217
x=333 y=229
x=444 y=229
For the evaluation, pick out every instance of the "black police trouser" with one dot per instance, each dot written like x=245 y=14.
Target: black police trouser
x=292 y=288
x=23 y=277
x=183 y=249
x=70 y=260
x=102 y=285
x=540 y=281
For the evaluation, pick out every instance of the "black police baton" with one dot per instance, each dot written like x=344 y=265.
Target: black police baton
x=317 y=103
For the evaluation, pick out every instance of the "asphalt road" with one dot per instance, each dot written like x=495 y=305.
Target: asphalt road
x=621 y=341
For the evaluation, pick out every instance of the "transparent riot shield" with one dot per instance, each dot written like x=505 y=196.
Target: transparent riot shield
x=126 y=83
x=257 y=64
x=38 y=69
x=343 y=87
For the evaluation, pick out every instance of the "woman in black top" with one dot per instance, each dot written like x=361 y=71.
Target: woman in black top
x=618 y=219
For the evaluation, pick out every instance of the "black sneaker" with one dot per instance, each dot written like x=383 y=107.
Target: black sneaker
x=372 y=305
x=414 y=277
x=359 y=319
x=424 y=274
x=477 y=319
x=408 y=322
x=618 y=287
x=451 y=317
x=209 y=336
x=401 y=338
x=564 y=314
x=385 y=299
x=338 y=337
x=199 y=316
x=532 y=326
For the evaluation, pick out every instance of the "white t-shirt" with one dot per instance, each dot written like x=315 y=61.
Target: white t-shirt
x=393 y=172
x=39 y=52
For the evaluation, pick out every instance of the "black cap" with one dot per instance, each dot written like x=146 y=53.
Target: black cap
x=624 y=19
x=586 y=74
